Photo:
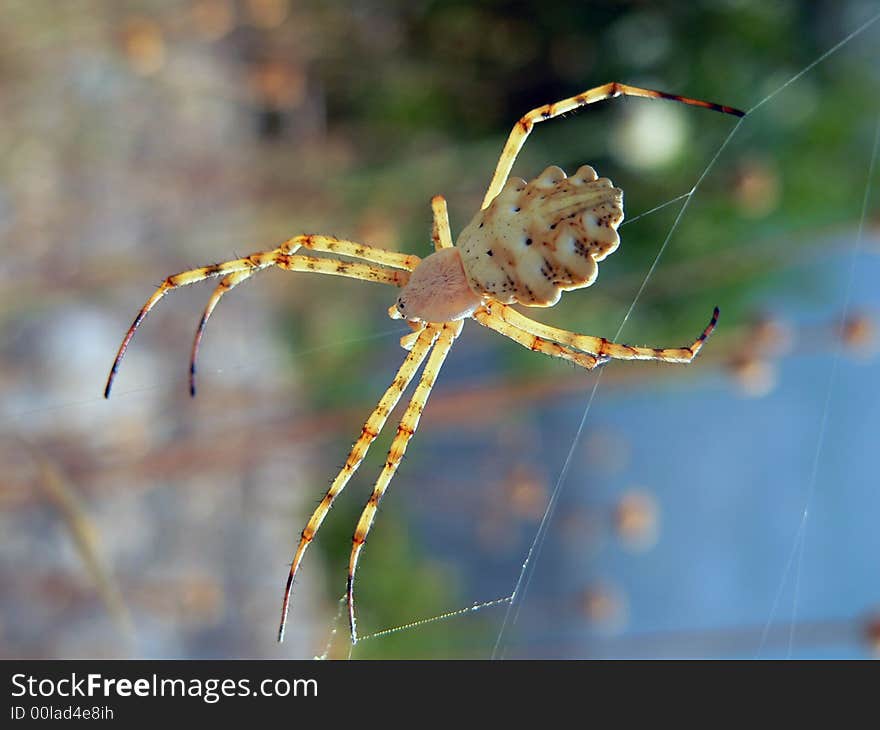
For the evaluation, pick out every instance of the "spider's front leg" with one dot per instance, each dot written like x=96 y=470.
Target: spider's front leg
x=385 y=267
x=408 y=424
x=228 y=283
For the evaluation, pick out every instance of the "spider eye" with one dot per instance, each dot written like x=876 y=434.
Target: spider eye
x=400 y=305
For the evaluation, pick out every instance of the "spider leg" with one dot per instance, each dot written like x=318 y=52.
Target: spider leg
x=369 y=432
x=338 y=267
x=408 y=424
x=230 y=281
x=488 y=318
x=184 y=278
x=440 y=233
x=329 y=244
x=290 y=263
x=311 y=242
x=408 y=340
x=523 y=127
x=601 y=347
x=295 y=263
x=283 y=258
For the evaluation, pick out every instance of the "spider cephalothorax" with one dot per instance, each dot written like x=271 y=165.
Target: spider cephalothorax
x=437 y=291
x=528 y=243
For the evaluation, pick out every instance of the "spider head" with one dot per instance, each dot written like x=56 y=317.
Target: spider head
x=398 y=309
x=437 y=291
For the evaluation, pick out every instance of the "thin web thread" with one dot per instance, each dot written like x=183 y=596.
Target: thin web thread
x=330 y=639
x=442 y=617
x=806 y=69
x=534 y=548
x=799 y=546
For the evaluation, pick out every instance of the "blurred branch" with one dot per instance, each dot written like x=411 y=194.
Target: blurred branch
x=61 y=494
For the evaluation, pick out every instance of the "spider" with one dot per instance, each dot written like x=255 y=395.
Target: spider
x=527 y=244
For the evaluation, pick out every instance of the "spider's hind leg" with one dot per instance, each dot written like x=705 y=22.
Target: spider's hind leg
x=488 y=317
x=524 y=126
x=601 y=347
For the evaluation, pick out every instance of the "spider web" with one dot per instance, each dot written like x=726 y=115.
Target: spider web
x=512 y=602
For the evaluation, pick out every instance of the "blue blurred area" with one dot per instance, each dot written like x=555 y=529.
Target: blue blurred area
x=754 y=557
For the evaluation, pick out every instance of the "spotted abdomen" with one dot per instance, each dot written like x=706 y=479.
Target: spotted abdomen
x=536 y=240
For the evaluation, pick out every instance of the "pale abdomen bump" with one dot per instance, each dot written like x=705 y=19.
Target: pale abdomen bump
x=538 y=239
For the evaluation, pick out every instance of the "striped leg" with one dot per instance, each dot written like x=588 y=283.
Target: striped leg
x=230 y=281
x=340 y=247
x=409 y=339
x=326 y=244
x=440 y=233
x=408 y=424
x=290 y=263
x=281 y=257
x=601 y=347
x=533 y=342
x=523 y=127
x=369 y=432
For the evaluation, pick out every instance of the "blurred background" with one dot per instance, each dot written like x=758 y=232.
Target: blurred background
x=727 y=509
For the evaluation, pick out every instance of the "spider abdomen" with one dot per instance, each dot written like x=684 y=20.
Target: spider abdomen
x=538 y=239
